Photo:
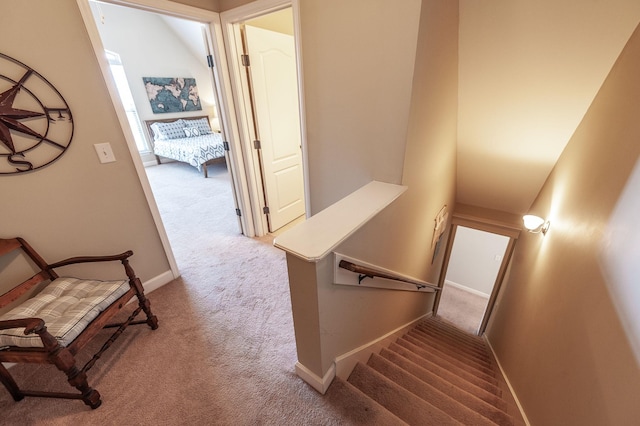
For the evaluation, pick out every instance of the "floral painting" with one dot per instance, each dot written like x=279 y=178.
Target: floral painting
x=167 y=94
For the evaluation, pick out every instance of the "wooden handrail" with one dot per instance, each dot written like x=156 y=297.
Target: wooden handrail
x=366 y=272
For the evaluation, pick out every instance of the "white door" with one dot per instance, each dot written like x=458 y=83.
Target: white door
x=274 y=86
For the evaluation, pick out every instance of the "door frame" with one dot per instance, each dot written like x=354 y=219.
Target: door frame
x=220 y=76
x=231 y=22
x=487 y=225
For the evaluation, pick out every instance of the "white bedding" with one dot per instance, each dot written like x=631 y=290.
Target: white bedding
x=195 y=150
x=189 y=140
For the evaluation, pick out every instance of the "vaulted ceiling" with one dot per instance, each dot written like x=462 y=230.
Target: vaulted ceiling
x=528 y=71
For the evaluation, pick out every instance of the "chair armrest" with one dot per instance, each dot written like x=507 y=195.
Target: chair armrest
x=87 y=259
x=31 y=325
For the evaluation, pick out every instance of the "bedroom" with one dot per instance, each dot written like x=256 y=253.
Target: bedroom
x=143 y=41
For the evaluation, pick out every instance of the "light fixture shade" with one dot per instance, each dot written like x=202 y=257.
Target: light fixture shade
x=532 y=223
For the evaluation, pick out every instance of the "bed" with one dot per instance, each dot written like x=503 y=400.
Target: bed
x=188 y=140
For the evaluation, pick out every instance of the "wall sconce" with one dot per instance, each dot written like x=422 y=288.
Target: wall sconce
x=535 y=224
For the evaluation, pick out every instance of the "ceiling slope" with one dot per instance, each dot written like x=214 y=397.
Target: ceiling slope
x=528 y=72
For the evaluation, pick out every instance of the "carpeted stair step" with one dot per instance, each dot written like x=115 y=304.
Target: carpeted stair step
x=358 y=406
x=444 y=370
x=445 y=326
x=476 y=415
x=402 y=403
x=480 y=349
x=467 y=340
x=454 y=386
x=471 y=375
x=456 y=351
x=478 y=370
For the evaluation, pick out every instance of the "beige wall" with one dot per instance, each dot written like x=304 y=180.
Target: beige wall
x=280 y=21
x=358 y=58
x=75 y=205
x=227 y=4
x=556 y=331
x=528 y=72
x=213 y=5
x=341 y=318
x=400 y=238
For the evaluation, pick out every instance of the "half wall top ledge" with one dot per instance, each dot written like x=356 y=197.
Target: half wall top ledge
x=316 y=237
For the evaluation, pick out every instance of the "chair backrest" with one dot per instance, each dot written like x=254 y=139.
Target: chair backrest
x=43 y=272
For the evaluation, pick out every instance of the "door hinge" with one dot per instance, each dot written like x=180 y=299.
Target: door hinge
x=210 y=61
x=225 y=145
x=257 y=144
x=265 y=210
x=238 y=212
x=245 y=60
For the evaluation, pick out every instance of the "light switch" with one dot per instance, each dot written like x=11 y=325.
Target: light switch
x=105 y=154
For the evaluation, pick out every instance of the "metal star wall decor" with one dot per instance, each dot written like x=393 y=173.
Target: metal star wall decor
x=36 y=125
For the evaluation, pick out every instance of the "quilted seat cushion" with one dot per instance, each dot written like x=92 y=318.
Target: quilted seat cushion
x=67 y=306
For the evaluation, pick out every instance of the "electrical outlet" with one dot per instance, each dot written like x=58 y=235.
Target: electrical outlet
x=105 y=154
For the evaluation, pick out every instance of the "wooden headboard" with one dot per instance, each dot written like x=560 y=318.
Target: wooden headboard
x=148 y=123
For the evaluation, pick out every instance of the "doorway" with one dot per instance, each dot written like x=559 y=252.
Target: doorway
x=263 y=59
x=178 y=25
x=474 y=264
x=484 y=235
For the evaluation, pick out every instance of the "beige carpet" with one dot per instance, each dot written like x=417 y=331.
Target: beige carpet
x=224 y=353
x=462 y=308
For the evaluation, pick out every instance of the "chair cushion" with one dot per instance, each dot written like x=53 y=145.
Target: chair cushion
x=67 y=306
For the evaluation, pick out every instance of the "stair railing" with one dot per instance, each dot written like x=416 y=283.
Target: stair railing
x=367 y=272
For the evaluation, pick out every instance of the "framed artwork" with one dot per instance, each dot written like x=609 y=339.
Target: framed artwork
x=169 y=94
x=438 y=231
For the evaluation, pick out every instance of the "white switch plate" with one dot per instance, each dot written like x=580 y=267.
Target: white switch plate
x=105 y=154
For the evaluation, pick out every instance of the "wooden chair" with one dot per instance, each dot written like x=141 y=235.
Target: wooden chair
x=55 y=324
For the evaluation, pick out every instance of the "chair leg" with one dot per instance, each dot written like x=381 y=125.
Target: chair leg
x=10 y=384
x=65 y=362
x=143 y=302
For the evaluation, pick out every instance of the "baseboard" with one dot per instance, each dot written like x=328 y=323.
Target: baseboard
x=506 y=379
x=346 y=363
x=319 y=384
x=465 y=288
x=157 y=281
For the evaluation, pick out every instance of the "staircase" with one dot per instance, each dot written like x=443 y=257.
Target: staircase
x=435 y=374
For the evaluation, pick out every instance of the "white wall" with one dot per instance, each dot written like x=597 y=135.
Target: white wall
x=473 y=261
x=149 y=47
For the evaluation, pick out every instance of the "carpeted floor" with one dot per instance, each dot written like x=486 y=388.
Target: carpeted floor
x=462 y=308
